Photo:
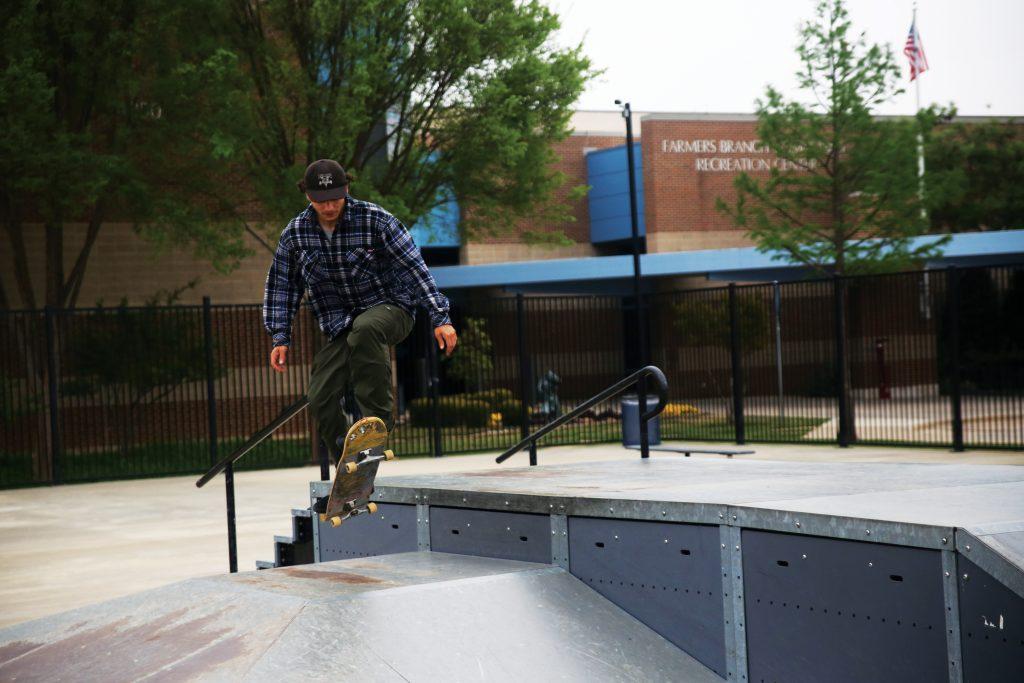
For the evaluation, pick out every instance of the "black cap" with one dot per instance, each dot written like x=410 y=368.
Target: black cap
x=325 y=179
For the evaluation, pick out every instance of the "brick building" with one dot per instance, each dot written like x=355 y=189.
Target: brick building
x=684 y=164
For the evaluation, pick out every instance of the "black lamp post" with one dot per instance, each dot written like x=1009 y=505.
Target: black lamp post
x=641 y=323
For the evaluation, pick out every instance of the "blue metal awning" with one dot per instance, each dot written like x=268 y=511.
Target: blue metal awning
x=607 y=274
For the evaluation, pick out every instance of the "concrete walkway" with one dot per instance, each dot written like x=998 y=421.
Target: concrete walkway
x=69 y=546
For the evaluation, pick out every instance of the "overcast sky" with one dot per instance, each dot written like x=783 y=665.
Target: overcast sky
x=718 y=55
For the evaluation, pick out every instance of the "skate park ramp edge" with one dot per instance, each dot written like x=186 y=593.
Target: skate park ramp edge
x=411 y=616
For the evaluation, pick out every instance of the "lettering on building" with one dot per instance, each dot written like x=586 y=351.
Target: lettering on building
x=757 y=156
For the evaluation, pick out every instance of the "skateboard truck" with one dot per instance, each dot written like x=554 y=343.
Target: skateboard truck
x=366 y=457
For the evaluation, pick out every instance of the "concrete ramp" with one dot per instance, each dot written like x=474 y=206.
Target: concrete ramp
x=414 y=617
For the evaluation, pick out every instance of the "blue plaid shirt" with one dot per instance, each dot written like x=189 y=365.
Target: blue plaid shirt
x=370 y=259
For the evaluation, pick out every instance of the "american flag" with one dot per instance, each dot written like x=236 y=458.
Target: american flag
x=914 y=51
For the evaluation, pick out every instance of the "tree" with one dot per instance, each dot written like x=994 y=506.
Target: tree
x=419 y=100
x=703 y=321
x=132 y=358
x=112 y=111
x=842 y=196
x=982 y=168
x=473 y=360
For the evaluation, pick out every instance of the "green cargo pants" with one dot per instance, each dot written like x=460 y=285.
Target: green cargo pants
x=361 y=359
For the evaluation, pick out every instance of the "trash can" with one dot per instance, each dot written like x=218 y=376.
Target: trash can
x=631 y=421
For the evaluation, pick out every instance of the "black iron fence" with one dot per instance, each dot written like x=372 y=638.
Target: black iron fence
x=926 y=358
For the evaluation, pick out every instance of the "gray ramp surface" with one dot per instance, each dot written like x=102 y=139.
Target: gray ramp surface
x=410 y=617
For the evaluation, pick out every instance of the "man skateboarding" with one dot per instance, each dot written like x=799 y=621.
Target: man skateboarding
x=365 y=277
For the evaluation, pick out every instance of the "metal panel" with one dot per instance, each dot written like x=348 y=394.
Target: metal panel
x=392 y=529
x=951 y=597
x=422 y=527
x=824 y=609
x=991 y=626
x=507 y=535
x=666 y=575
x=732 y=602
x=560 y=541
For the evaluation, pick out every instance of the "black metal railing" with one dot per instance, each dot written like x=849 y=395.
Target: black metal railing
x=226 y=465
x=637 y=378
x=927 y=358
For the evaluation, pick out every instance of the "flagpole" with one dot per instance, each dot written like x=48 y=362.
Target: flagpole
x=920 y=135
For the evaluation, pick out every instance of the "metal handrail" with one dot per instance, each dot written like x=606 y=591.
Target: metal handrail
x=254 y=440
x=661 y=390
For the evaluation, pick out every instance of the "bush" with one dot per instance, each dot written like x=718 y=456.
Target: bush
x=452 y=411
x=494 y=398
x=510 y=409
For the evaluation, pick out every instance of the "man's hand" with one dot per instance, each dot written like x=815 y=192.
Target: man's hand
x=278 y=358
x=446 y=338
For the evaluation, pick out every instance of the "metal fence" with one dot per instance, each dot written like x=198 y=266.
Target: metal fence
x=926 y=358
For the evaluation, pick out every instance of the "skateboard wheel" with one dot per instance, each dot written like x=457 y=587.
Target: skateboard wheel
x=335 y=521
x=389 y=454
x=350 y=467
x=371 y=508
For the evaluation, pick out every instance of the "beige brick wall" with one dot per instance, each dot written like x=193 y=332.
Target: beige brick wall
x=475 y=254
x=123 y=264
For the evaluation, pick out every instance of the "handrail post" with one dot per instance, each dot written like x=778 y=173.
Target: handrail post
x=533 y=453
x=211 y=416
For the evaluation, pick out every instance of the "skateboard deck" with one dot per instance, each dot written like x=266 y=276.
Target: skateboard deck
x=362 y=452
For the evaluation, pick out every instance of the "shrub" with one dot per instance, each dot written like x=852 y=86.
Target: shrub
x=452 y=411
x=493 y=397
x=510 y=409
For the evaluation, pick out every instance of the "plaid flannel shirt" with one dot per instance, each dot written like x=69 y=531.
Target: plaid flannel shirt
x=370 y=259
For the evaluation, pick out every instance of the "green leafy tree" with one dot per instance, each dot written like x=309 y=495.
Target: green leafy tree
x=473 y=360
x=981 y=167
x=111 y=111
x=133 y=357
x=843 y=195
x=702 y=321
x=421 y=101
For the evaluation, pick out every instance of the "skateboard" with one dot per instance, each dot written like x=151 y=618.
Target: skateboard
x=362 y=451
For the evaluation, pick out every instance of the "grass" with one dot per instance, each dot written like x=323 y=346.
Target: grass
x=193 y=457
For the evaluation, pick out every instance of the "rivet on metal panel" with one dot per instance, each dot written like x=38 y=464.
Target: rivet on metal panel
x=945 y=540
x=563 y=533
x=663 y=513
x=613 y=510
x=723 y=545
x=666 y=540
x=734 y=518
x=463 y=500
x=968 y=548
x=867 y=531
x=508 y=528
x=552 y=533
x=798 y=525
x=506 y=502
x=947 y=575
x=737 y=547
x=803 y=557
x=721 y=516
x=965 y=577
x=616 y=538
x=871 y=564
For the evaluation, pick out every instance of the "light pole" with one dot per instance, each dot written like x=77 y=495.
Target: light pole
x=641 y=323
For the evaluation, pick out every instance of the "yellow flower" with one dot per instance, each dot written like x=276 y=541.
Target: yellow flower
x=680 y=409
